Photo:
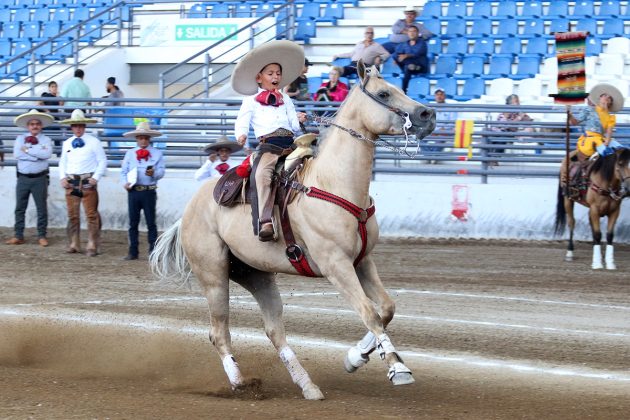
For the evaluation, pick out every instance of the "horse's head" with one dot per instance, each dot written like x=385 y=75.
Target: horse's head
x=613 y=169
x=388 y=110
x=623 y=170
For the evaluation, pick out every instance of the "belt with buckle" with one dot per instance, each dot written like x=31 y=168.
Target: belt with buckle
x=280 y=132
x=144 y=187
x=37 y=175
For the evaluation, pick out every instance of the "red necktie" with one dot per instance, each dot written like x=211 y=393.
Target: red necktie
x=31 y=140
x=222 y=168
x=142 y=154
x=270 y=97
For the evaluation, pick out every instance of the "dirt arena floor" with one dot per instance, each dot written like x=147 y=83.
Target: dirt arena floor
x=491 y=330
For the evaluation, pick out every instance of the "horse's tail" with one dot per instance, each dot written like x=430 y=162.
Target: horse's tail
x=561 y=213
x=168 y=259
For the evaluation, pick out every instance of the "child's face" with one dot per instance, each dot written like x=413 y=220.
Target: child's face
x=224 y=153
x=269 y=77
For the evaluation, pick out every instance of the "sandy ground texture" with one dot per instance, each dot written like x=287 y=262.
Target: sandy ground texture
x=491 y=330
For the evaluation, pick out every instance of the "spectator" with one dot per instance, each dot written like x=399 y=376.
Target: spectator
x=332 y=90
x=54 y=110
x=32 y=151
x=445 y=123
x=400 y=30
x=411 y=57
x=512 y=100
x=113 y=92
x=141 y=169
x=219 y=160
x=82 y=164
x=371 y=52
x=297 y=90
x=76 y=88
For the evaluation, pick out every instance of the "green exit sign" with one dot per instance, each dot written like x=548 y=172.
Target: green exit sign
x=204 y=32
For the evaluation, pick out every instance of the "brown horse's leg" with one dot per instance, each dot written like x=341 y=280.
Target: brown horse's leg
x=371 y=283
x=593 y=215
x=568 y=207
x=610 y=234
x=264 y=289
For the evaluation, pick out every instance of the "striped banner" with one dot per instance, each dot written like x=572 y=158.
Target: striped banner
x=570 y=52
x=463 y=135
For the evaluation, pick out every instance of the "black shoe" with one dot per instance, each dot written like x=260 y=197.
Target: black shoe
x=130 y=257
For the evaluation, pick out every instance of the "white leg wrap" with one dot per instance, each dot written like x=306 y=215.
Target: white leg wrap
x=367 y=343
x=610 y=257
x=597 y=257
x=233 y=372
x=397 y=368
x=569 y=256
x=297 y=372
x=384 y=345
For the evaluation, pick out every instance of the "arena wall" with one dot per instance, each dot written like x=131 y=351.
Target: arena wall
x=406 y=206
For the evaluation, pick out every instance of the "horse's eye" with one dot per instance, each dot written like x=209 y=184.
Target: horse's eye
x=383 y=95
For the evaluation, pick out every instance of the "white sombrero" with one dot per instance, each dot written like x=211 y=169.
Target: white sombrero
x=611 y=90
x=33 y=114
x=78 y=117
x=143 y=129
x=223 y=143
x=288 y=54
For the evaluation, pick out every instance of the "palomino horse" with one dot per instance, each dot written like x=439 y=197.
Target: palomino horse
x=608 y=184
x=217 y=243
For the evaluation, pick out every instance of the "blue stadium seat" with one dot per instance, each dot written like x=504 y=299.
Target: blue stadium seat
x=449 y=85
x=306 y=29
x=533 y=28
x=483 y=47
x=332 y=13
x=558 y=9
x=91 y=32
x=434 y=47
x=21 y=47
x=445 y=66
x=5 y=49
x=472 y=66
x=481 y=10
x=473 y=89
x=243 y=10
x=220 y=10
x=197 y=11
x=41 y=15
x=532 y=10
x=559 y=25
x=613 y=28
x=313 y=84
x=11 y=30
x=22 y=15
x=455 y=10
x=341 y=61
x=31 y=31
x=609 y=9
x=281 y=27
x=536 y=47
x=434 y=26
x=263 y=9
x=396 y=81
x=309 y=11
x=506 y=9
x=5 y=15
x=390 y=68
x=583 y=8
x=418 y=88
x=60 y=51
x=481 y=28
x=18 y=68
x=526 y=68
x=507 y=28
x=431 y=10
x=499 y=67
x=456 y=47
x=455 y=28
x=81 y=14
x=61 y=15
x=510 y=47
x=587 y=25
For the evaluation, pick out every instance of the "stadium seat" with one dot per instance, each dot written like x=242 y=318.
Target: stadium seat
x=481 y=28
x=5 y=15
x=609 y=9
x=527 y=67
x=5 y=49
x=61 y=15
x=22 y=15
x=220 y=10
x=341 y=61
x=11 y=31
x=559 y=25
x=332 y=13
x=536 y=47
x=390 y=68
x=18 y=68
x=21 y=47
x=60 y=51
x=533 y=28
x=499 y=67
x=593 y=46
x=306 y=29
x=509 y=47
x=434 y=26
x=431 y=10
x=434 y=47
x=483 y=47
x=31 y=31
x=445 y=66
x=583 y=9
x=456 y=47
x=558 y=9
x=587 y=25
x=396 y=81
x=612 y=28
x=313 y=84
x=507 y=28
x=41 y=15
x=418 y=88
x=243 y=10
x=532 y=10
x=263 y=9
x=81 y=14
x=455 y=10
x=309 y=11
x=481 y=10
x=473 y=89
x=472 y=66
x=506 y=9
x=455 y=28
x=197 y=11
x=91 y=32
x=449 y=85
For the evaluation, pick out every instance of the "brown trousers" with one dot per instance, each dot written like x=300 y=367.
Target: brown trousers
x=90 y=207
x=264 y=173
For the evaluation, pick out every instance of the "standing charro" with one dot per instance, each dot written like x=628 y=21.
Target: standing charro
x=262 y=73
x=599 y=125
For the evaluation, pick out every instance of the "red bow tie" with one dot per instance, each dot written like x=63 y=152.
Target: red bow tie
x=270 y=97
x=31 y=140
x=142 y=154
x=222 y=168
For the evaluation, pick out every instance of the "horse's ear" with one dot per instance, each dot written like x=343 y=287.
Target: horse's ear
x=361 y=69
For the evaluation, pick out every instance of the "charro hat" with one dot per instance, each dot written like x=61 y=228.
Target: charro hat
x=288 y=54
x=223 y=143
x=143 y=129
x=78 y=117
x=410 y=9
x=33 y=114
x=611 y=90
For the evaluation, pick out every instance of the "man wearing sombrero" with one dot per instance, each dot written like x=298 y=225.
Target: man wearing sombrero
x=598 y=123
x=140 y=171
x=32 y=151
x=262 y=73
x=219 y=160
x=82 y=164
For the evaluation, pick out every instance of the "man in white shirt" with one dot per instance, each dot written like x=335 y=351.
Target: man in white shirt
x=370 y=51
x=219 y=160
x=81 y=166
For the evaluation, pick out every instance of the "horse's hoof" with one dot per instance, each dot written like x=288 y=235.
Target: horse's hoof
x=400 y=374
x=312 y=392
x=354 y=360
x=611 y=266
x=597 y=266
x=568 y=258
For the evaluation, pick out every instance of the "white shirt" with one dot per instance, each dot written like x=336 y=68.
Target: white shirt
x=265 y=119
x=208 y=170
x=82 y=160
x=35 y=159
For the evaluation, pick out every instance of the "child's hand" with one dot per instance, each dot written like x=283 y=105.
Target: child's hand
x=212 y=157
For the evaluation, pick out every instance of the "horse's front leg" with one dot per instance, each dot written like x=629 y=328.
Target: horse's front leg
x=596 y=230
x=609 y=257
x=264 y=289
x=338 y=268
x=568 y=207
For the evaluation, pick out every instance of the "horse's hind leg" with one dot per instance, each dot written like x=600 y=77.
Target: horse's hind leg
x=264 y=289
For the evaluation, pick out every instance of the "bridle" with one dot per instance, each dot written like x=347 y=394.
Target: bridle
x=329 y=121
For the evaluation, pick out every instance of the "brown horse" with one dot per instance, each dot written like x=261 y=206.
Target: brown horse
x=608 y=183
x=217 y=243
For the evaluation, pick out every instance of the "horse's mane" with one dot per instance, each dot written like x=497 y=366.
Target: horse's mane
x=605 y=166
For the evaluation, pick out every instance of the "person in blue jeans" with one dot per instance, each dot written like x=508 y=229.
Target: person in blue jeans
x=411 y=57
